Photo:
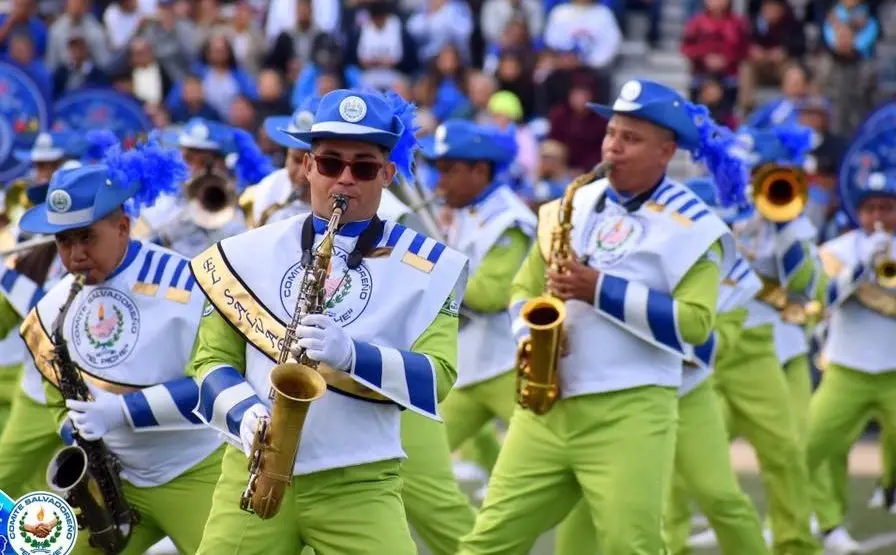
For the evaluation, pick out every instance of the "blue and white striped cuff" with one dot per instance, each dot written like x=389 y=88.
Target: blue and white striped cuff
x=163 y=407
x=518 y=326
x=844 y=285
x=405 y=377
x=705 y=354
x=224 y=397
x=648 y=314
x=22 y=293
x=791 y=249
x=67 y=432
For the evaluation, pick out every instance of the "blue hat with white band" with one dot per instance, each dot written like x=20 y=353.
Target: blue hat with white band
x=706 y=190
x=50 y=146
x=81 y=196
x=366 y=116
x=694 y=129
x=281 y=129
x=464 y=140
x=202 y=134
x=786 y=144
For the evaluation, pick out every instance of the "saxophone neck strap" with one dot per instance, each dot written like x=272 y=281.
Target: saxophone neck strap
x=367 y=241
x=632 y=204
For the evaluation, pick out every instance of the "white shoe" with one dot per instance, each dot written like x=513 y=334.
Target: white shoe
x=706 y=538
x=164 y=547
x=839 y=542
x=479 y=494
x=466 y=471
x=877 y=498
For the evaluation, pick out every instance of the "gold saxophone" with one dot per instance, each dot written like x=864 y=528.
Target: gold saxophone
x=538 y=356
x=294 y=386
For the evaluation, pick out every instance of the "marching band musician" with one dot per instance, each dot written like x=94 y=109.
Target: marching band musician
x=859 y=378
x=495 y=230
x=640 y=287
x=130 y=332
x=387 y=340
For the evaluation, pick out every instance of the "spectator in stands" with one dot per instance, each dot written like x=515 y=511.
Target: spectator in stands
x=327 y=57
x=716 y=42
x=796 y=84
x=21 y=53
x=516 y=38
x=506 y=110
x=712 y=95
x=516 y=76
x=246 y=38
x=173 y=40
x=777 y=38
x=209 y=20
x=272 y=99
x=21 y=18
x=122 y=20
x=384 y=50
x=480 y=88
x=151 y=83
x=440 y=23
x=553 y=175
x=77 y=20
x=846 y=72
x=294 y=43
x=242 y=115
x=822 y=164
x=579 y=129
x=653 y=9
x=222 y=78
x=79 y=70
x=559 y=69
x=190 y=102
x=589 y=28
x=448 y=73
x=498 y=14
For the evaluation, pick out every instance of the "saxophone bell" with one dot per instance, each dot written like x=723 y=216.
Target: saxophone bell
x=884 y=264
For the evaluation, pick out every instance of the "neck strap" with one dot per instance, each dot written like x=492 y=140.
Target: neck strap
x=367 y=241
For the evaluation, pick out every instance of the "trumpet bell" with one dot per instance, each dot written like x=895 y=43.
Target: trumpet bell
x=886 y=273
x=780 y=193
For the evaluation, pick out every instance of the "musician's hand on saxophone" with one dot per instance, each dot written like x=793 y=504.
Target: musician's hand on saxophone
x=249 y=425
x=574 y=280
x=94 y=419
x=325 y=341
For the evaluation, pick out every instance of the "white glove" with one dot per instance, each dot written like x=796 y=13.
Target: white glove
x=878 y=242
x=250 y=424
x=94 y=419
x=325 y=341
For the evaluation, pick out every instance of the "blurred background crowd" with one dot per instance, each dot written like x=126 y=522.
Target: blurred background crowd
x=533 y=64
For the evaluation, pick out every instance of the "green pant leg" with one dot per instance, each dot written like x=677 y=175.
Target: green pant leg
x=887 y=441
x=27 y=444
x=10 y=375
x=178 y=509
x=482 y=448
x=469 y=410
x=498 y=395
x=799 y=383
x=703 y=461
x=436 y=507
x=753 y=384
x=531 y=489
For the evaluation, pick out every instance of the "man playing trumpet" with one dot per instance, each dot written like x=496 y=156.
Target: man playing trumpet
x=633 y=284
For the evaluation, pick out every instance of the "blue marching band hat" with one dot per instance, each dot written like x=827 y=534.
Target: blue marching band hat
x=464 y=140
x=869 y=166
x=51 y=146
x=81 y=196
x=239 y=148
x=694 y=129
x=280 y=129
x=787 y=144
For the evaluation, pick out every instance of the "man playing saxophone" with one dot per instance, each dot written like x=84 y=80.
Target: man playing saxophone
x=639 y=286
x=386 y=340
x=129 y=332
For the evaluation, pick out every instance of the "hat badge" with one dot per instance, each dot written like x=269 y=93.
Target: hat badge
x=59 y=201
x=630 y=91
x=352 y=109
x=877 y=181
x=441 y=146
x=200 y=131
x=44 y=140
x=303 y=121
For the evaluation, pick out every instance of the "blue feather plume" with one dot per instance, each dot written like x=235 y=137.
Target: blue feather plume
x=251 y=164
x=402 y=154
x=98 y=142
x=157 y=171
x=796 y=140
x=715 y=151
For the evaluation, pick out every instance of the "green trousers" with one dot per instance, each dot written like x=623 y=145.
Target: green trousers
x=344 y=511
x=178 y=509
x=703 y=472
x=755 y=391
x=615 y=450
x=840 y=409
x=469 y=411
x=28 y=442
x=482 y=448
x=9 y=384
x=436 y=507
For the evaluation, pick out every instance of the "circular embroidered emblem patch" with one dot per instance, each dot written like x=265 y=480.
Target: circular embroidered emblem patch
x=106 y=327
x=352 y=109
x=346 y=292
x=42 y=522
x=60 y=201
x=615 y=237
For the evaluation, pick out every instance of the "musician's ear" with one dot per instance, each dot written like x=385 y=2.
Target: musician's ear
x=390 y=169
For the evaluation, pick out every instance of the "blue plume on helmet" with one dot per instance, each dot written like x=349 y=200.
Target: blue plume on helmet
x=251 y=164
x=716 y=152
x=157 y=170
x=796 y=140
x=98 y=142
x=402 y=154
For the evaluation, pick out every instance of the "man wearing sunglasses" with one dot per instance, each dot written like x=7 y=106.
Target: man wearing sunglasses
x=389 y=334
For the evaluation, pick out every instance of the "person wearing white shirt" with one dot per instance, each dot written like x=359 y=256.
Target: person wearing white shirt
x=591 y=27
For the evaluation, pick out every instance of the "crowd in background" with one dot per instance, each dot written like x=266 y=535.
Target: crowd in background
x=530 y=64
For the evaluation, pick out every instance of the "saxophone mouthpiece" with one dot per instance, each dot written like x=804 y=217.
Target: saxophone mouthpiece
x=340 y=202
x=602 y=169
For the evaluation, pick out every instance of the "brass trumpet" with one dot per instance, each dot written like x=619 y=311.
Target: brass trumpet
x=884 y=264
x=780 y=193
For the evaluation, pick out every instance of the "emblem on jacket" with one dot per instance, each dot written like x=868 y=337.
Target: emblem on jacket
x=346 y=292
x=105 y=328
x=615 y=237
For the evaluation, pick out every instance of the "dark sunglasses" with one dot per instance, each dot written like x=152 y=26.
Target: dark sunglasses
x=332 y=166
